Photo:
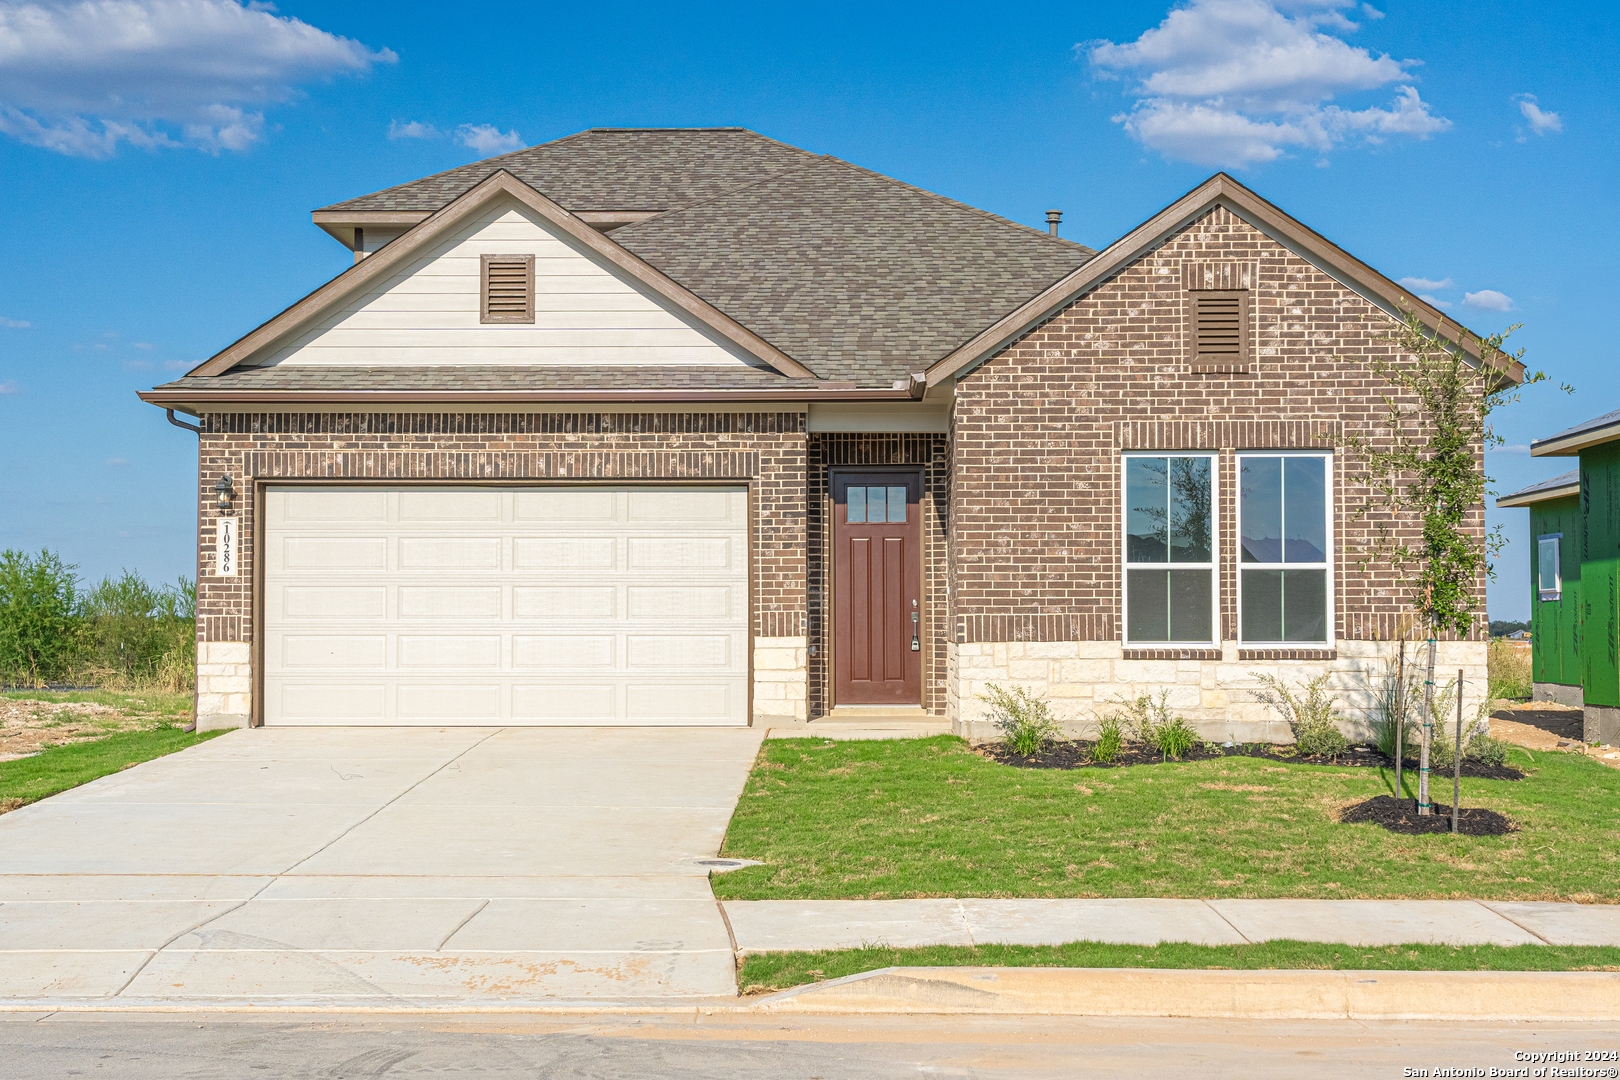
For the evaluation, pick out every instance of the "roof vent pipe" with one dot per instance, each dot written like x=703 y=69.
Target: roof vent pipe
x=1053 y=217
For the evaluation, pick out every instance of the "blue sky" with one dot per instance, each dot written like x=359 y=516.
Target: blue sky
x=156 y=198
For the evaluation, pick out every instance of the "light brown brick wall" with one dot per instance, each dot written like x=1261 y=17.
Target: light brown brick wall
x=1038 y=432
x=767 y=449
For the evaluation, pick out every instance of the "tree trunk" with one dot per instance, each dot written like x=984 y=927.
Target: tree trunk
x=1400 y=716
x=1424 y=806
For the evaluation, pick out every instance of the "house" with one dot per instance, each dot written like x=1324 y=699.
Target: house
x=684 y=426
x=1575 y=575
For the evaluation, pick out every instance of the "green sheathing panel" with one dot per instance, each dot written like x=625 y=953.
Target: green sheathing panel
x=1600 y=574
x=1555 y=646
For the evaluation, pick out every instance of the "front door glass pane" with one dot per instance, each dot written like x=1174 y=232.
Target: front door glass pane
x=855 y=498
x=897 y=504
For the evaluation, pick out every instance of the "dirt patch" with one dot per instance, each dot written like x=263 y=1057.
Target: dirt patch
x=1077 y=755
x=1401 y=816
x=27 y=727
x=1546 y=725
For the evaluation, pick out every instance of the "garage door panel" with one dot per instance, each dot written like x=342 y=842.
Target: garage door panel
x=587 y=605
x=566 y=505
x=564 y=553
x=564 y=602
x=450 y=553
x=450 y=602
x=329 y=603
x=418 y=652
x=334 y=553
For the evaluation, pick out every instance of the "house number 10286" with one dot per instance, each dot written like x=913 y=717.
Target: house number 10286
x=225 y=548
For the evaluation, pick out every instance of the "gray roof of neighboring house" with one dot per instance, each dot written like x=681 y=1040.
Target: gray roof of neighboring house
x=854 y=274
x=1597 y=423
x=1528 y=494
x=311 y=377
x=609 y=169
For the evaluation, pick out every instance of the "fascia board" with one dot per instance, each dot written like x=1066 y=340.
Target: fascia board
x=434 y=227
x=1547 y=495
x=195 y=401
x=1219 y=189
x=1572 y=445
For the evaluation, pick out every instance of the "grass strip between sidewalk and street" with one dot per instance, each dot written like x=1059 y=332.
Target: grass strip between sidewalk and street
x=58 y=768
x=770 y=971
x=902 y=818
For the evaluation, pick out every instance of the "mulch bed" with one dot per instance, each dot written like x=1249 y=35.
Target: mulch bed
x=1401 y=816
x=1077 y=755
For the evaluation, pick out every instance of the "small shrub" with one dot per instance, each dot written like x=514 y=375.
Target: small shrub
x=1478 y=745
x=1390 y=698
x=1508 y=668
x=1024 y=718
x=1110 y=736
x=1311 y=715
x=1174 y=737
x=39 y=617
x=1148 y=720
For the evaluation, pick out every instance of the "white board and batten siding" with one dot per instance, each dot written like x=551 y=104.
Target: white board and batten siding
x=506 y=606
x=585 y=312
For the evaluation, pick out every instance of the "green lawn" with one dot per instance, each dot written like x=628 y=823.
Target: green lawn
x=165 y=703
x=927 y=817
x=779 y=971
x=58 y=768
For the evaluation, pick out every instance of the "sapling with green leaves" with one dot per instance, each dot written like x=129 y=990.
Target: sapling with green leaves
x=1426 y=467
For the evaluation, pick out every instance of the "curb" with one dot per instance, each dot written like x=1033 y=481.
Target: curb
x=1230 y=995
x=1561 y=996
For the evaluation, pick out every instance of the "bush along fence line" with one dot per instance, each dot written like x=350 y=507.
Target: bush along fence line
x=123 y=633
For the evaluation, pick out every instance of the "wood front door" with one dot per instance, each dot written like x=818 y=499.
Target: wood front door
x=877 y=588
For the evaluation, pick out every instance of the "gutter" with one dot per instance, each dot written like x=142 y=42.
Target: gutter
x=1538 y=496
x=194 y=401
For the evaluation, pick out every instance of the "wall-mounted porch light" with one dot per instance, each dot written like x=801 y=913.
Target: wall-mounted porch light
x=226 y=494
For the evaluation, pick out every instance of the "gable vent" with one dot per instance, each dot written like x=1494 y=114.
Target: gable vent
x=1220 y=332
x=508 y=289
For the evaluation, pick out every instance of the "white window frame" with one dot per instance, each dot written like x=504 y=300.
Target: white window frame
x=1213 y=566
x=1557 y=592
x=1330 y=486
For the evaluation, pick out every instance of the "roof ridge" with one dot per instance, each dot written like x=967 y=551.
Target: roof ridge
x=958 y=203
x=455 y=168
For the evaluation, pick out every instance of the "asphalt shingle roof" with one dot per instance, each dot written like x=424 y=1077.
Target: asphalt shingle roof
x=310 y=377
x=1561 y=480
x=853 y=274
x=1608 y=419
x=610 y=169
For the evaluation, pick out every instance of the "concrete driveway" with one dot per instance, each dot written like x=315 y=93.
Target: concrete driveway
x=379 y=867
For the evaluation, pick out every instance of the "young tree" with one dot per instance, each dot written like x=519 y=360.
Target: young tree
x=1428 y=466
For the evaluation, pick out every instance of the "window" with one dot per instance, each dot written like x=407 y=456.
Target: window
x=1549 y=572
x=1169 y=541
x=1220 y=331
x=1284 y=587
x=873 y=505
x=508 y=289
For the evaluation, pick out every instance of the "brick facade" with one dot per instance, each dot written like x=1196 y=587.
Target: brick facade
x=1037 y=434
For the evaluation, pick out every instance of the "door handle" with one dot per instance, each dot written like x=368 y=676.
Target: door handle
x=915 y=645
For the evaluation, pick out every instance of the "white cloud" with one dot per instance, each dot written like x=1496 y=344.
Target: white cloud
x=488 y=139
x=414 y=129
x=9 y=387
x=1427 y=284
x=115 y=461
x=1427 y=299
x=1541 y=121
x=82 y=77
x=145 y=346
x=175 y=365
x=1516 y=448
x=1487 y=300
x=14 y=324
x=1234 y=82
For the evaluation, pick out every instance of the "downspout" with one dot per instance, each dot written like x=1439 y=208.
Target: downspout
x=193 y=428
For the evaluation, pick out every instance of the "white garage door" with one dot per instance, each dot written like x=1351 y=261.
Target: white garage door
x=502 y=605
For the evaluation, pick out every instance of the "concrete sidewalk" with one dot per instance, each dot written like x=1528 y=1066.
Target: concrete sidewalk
x=809 y=925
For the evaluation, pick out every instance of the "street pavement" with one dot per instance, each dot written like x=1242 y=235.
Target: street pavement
x=685 y=1045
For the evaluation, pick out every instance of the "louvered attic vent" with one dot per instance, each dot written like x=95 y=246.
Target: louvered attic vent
x=1220 y=332
x=508 y=289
